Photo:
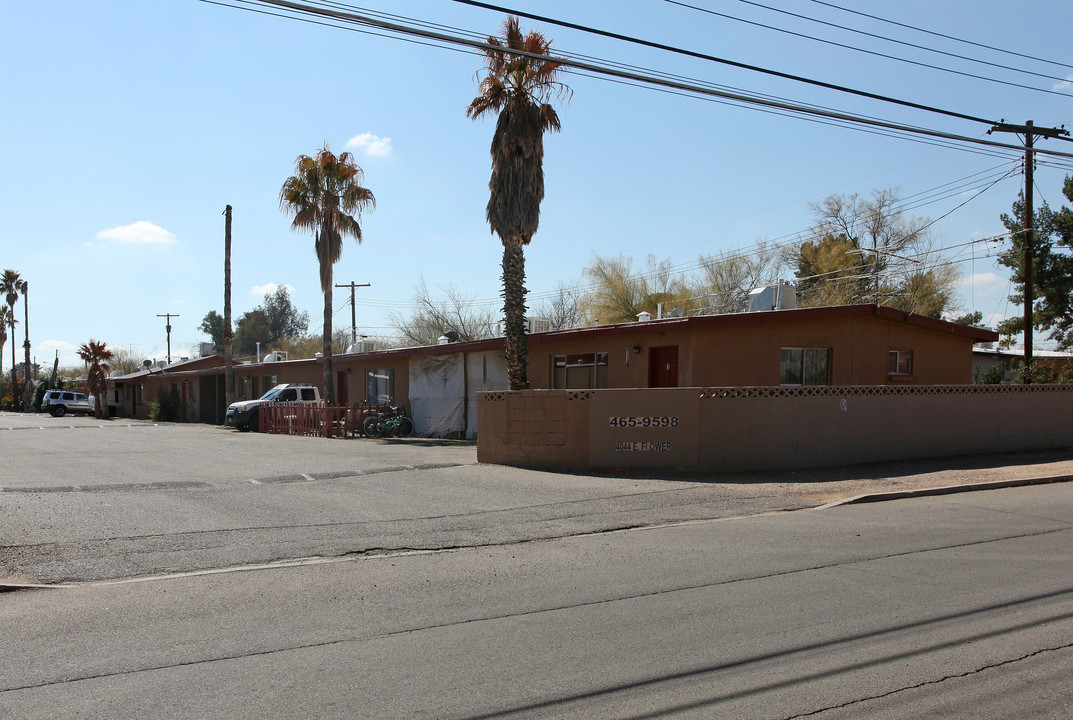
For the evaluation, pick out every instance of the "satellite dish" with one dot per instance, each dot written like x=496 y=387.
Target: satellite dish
x=147 y=363
x=677 y=312
x=451 y=335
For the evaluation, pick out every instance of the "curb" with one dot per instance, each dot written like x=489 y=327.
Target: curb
x=946 y=490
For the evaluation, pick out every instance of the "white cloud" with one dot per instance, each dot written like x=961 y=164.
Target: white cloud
x=371 y=144
x=139 y=233
x=46 y=350
x=270 y=289
x=1063 y=86
x=984 y=282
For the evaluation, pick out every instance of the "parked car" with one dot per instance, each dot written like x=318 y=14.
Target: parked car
x=60 y=402
x=245 y=415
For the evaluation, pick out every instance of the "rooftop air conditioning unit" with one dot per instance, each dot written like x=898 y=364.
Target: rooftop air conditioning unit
x=532 y=325
x=275 y=356
x=538 y=324
x=773 y=297
x=361 y=346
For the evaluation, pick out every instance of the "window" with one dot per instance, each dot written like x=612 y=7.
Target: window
x=244 y=387
x=901 y=362
x=805 y=366
x=380 y=386
x=580 y=371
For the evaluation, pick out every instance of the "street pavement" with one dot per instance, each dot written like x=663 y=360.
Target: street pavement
x=83 y=499
x=197 y=572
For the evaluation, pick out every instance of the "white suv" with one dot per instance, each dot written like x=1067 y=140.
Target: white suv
x=60 y=402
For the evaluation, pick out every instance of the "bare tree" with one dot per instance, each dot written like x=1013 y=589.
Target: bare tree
x=565 y=307
x=727 y=278
x=435 y=316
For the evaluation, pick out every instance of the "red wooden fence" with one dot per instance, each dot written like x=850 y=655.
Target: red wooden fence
x=315 y=420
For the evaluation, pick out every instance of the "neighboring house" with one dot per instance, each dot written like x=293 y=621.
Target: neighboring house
x=990 y=363
x=849 y=345
x=198 y=383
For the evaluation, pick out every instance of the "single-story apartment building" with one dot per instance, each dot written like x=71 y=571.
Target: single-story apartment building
x=846 y=345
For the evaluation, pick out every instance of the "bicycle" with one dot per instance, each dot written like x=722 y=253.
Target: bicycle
x=392 y=423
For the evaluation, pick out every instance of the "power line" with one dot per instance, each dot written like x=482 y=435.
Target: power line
x=939 y=34
x=879 y=37
x=724 y=61
x=603 y=70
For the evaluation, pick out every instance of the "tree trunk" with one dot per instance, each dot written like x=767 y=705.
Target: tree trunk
x=517 y=349
x=329 y=384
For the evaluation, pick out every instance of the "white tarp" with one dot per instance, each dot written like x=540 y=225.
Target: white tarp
x=486 y=371
x=437 y=395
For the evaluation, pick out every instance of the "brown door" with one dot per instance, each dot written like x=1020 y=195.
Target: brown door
x=342 y=388
x=663 y=366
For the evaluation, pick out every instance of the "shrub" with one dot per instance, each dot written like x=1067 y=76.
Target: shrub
x=167 y=407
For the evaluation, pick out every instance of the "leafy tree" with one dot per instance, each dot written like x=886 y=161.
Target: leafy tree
x=975 y=319
x=435 y=316
x=867 y=250
x=518 y=87
x=97 y=355
x=1052 y=270
x=213 y=326
x=619 y=294
x=270 y=323
x=830 y=272
x=326 y=196
x=284 y=320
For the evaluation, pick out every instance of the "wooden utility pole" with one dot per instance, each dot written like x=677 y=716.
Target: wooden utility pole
x=353 y=314
x=169 y=316
x=229 y=338
x=1028 y=242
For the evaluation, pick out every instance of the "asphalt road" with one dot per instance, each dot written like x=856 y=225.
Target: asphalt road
x=206 y=573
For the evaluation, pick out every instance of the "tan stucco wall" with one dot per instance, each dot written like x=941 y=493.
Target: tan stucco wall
x=749 y=353
x=766 y=428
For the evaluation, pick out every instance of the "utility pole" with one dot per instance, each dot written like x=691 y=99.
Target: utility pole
x=169 y=316
x=27 y=384
x=1030 y=131
x=353 y=314
x=229 y=338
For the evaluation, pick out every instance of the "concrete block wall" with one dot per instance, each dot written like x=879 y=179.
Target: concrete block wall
x=766 y=428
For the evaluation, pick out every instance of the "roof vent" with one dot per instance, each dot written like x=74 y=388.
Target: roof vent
x=644 y=316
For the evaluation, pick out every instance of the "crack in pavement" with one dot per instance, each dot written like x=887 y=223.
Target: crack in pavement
x=936 y=681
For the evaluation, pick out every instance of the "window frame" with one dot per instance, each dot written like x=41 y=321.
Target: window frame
x=895 y=363
x=804 y=372
x=591 y=366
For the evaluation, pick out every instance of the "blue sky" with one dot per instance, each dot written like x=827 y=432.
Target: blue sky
x=129 y=125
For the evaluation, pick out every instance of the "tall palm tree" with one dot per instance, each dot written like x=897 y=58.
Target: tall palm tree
x=97 y=355
x=519 y=88
x=326 y=195
x=11 y=284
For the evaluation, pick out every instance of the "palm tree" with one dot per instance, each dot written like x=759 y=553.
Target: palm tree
x=11 y=284
x=325 y=194
x=518 y=87
x=97 y=355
